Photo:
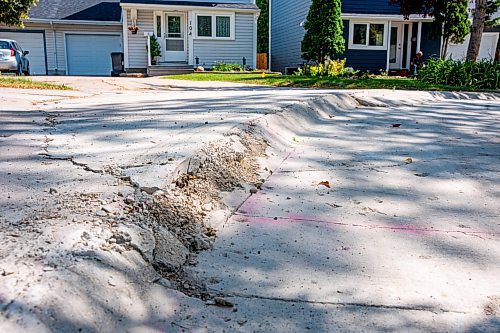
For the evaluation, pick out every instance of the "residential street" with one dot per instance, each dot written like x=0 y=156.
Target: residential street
x=357 y=211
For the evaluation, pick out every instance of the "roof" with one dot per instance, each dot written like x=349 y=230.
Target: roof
x=77 y=10
x=216 y=5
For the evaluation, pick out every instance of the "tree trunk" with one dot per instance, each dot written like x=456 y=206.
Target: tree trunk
x=497 y=53
x=477 y=30
x=444 y=50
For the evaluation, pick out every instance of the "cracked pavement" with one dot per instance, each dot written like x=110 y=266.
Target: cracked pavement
x=390 y=246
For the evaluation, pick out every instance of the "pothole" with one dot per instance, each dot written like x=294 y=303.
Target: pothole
x=175 y=218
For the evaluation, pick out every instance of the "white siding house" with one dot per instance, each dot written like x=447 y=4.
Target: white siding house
x=77 y=37
x=190 y=33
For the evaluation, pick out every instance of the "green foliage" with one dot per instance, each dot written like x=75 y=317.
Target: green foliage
x=155 y=49
x=324 y=38
x=492 y=6
x=451 y=19
x=468 y=74
x=13 y=12
x=263 y=27
x=332 y=68
x=221 y=66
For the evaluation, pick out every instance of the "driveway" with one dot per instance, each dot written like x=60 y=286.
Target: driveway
x=379 y=210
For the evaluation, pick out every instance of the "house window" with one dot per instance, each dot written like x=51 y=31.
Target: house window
x=223 y=26
x=370 y=36
x=359 y=33
x=204 y=26
x=376 y=35
x=158 y=26
x=215 y=26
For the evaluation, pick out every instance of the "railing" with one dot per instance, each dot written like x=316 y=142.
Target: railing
x=148 y=35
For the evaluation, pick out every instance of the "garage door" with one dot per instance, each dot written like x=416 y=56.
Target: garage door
x=90 y=54
x=486 y=51
x=33 y=42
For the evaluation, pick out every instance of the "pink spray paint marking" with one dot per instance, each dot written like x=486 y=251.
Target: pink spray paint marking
x=406 y=229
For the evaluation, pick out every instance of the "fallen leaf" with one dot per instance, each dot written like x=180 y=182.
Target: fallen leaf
x=325 y=183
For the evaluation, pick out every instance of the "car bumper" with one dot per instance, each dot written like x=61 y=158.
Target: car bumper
x=8 y=65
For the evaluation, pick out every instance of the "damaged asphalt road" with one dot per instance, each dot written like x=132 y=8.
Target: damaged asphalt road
x=141 y=211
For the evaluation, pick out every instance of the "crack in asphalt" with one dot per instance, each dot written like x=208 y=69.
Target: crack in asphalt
x=425 y=308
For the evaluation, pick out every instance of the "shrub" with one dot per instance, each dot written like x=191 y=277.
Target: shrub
x=221 y=66
x=155 y=50
x=483 y=74
x=333 y=68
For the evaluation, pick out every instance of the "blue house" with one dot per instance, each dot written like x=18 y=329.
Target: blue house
x=376 y=34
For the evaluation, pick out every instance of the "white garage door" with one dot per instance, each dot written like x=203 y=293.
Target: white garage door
x=33 y=42
x=486 y=51
x=91 y=54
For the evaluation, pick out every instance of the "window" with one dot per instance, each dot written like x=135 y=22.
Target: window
x=359 y=34
x=204 y=26
x=223 y=26
x=158 y=26
x=370 y=36
x=376 y=35
x=174 y=26
x=215 y=26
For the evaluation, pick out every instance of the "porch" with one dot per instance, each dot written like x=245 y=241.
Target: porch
x=387 y=43
x=188 y=34
x=166 y=68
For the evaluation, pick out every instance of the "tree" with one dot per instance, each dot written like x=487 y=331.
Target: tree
x=432 y=7
x=419 y=7
x=451 y=19
x=13 y=12
x=324 y=31
x=494 y=21
x=478 y=22
x=482 y=17
x=263 y=27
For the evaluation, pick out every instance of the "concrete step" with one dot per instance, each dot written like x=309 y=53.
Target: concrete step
x=169 y=70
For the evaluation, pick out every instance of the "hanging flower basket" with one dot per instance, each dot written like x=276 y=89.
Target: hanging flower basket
x=133 y=29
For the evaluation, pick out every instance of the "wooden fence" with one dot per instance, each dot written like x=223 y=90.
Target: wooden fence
x=262 y=61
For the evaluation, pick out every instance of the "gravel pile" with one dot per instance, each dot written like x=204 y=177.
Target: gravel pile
x=174 y=218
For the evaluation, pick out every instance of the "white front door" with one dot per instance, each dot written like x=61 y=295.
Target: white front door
x=396 y=46
x=175 y=37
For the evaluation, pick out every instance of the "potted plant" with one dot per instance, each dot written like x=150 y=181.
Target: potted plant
x=155 y=50
x=133 y=29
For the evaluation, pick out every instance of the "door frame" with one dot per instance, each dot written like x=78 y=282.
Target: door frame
x=184 y=32
x=160 y=39
x=400 y=45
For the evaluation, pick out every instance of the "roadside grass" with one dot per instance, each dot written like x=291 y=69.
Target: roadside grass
x=24 y=83
x=277 y=80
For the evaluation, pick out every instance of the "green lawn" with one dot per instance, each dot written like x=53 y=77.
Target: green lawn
x=378 y=82
x=24 y=83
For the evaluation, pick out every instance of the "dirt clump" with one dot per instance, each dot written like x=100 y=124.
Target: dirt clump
x=175 y=216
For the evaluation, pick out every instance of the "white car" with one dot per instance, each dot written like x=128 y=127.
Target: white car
x=13 y=58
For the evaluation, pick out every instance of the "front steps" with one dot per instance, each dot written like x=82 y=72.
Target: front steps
x=164 y=69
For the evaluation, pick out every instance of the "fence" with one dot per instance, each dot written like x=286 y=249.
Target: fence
x=262 y=61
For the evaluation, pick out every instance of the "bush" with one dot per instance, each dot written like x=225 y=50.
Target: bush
x=155 y=50
x=333 y=68
x=221 y=66
x=484 y=74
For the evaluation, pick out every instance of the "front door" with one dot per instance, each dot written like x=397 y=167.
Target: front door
x=396 y=46
x=175 y=34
